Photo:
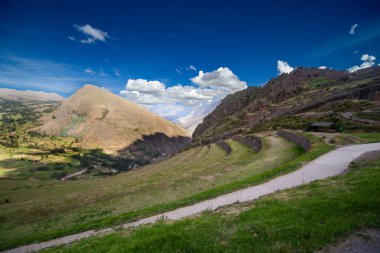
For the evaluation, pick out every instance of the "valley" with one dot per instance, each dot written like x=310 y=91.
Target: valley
x=60 y=175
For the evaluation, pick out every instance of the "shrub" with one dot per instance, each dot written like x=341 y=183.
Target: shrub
x=58 y=151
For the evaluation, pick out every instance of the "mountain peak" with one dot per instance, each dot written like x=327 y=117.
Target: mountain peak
x=102 y=119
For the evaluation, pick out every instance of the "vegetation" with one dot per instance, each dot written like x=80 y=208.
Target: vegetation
x=36 y=206
x=303 y=219
x=17 y=117
x=39 y=211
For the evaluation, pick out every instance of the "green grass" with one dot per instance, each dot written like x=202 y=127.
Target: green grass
x=39 y=211
x=33 y=163
x=303 y=219
x=366 y=137
x=316 y=82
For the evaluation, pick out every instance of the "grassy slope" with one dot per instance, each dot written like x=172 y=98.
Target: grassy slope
x=297 y=220
x=36 y=209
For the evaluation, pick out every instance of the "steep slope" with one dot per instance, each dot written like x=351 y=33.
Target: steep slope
x=101 y=119
x=11 y=94
x=304 y=90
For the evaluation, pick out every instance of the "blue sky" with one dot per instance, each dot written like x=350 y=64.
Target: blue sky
x=58 y=46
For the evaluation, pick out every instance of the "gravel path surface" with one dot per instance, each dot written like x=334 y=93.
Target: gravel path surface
x=330 y=164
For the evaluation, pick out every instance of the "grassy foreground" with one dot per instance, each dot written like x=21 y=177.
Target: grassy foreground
x=92 y=204
x=39 y=211
x=303 y=219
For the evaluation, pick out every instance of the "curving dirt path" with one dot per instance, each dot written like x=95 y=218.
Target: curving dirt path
x=330 y=164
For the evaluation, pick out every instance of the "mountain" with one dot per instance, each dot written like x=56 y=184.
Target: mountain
x=294 y=100
x=99 y=118
x=194 y=118
x=11 y=94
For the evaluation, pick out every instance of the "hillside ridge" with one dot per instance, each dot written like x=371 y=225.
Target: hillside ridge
x=303 y=90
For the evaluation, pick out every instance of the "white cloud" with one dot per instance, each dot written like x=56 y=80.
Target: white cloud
x=93 y=34
x=322 y=67
x=367 y=57
x=87 y=41
x=191 y=67
x=368 y=61
x=117 y=72
x=364 y=65
x=206 y=88
x=178 y=71
x=283 y=67
x=223 y=78
x=89 y=71
x=353 y=29
x=145 y=86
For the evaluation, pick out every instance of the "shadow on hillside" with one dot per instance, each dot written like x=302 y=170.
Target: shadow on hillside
x=156 y=146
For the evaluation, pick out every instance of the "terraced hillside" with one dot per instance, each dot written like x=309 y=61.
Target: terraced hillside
x=38 y=210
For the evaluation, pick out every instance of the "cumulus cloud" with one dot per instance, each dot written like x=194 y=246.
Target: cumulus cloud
x=283 y=67
x=364 y=65
x=353 y=29
x=205 y=88
x=92 y=34
x=322 y=67
x=145 y=86
x=368 y=61
x=367 y=57
x=220 y=78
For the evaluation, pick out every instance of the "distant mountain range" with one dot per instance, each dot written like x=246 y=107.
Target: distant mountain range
x=99 y=118
x=11 y=94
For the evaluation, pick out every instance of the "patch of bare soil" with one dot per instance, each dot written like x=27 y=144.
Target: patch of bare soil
x=364 y=241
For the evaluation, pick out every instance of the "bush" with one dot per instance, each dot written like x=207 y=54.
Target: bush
x=58 y=151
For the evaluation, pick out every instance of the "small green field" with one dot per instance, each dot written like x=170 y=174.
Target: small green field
x=36 y=210
x=303 y=219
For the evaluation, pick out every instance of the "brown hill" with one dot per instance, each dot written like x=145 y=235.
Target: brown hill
x=293 y=101
x=101 y=119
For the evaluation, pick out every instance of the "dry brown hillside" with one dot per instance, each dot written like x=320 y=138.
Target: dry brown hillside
x=102 y=119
